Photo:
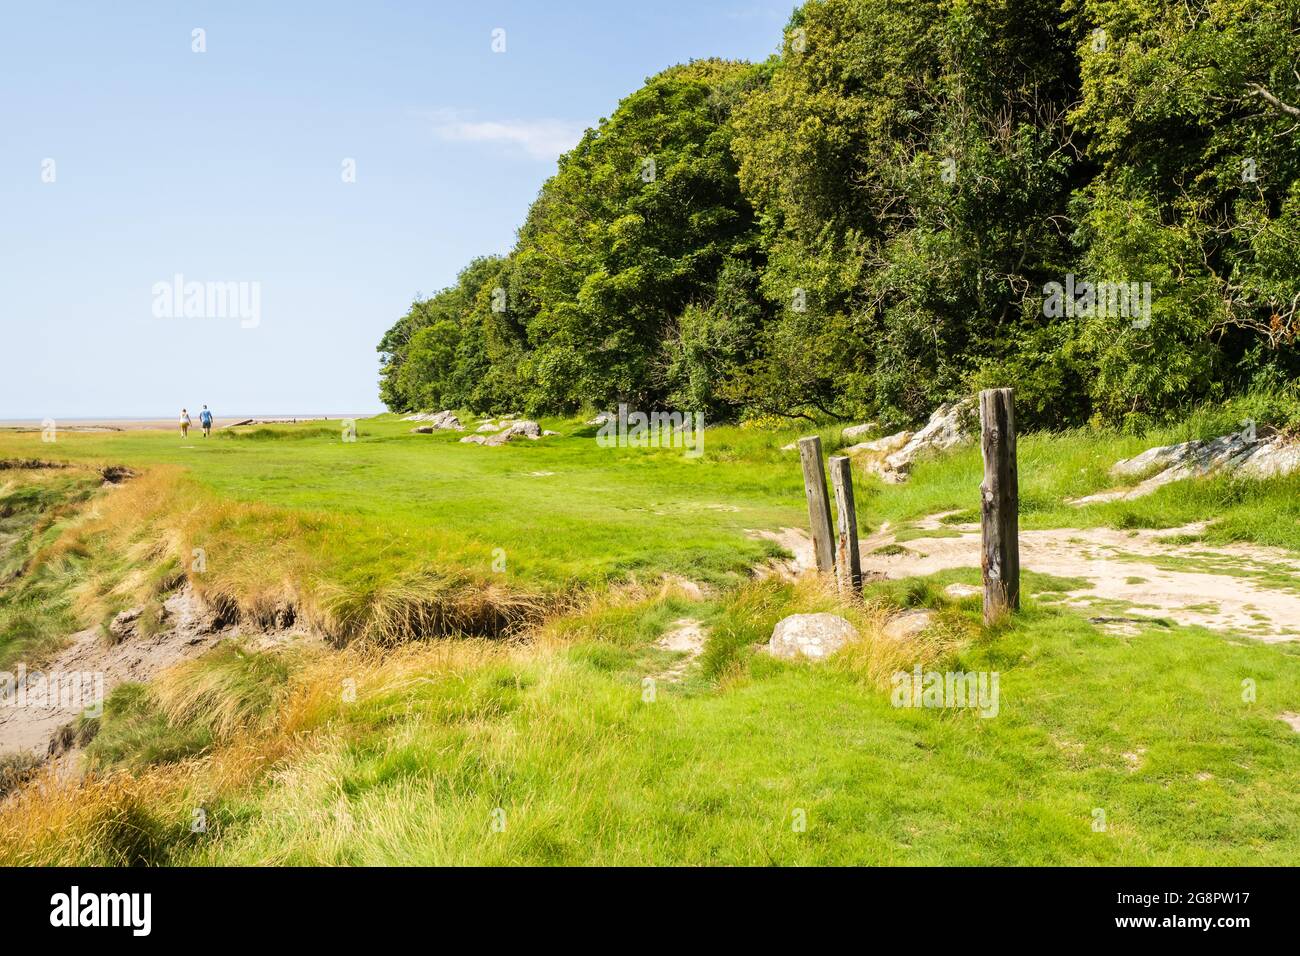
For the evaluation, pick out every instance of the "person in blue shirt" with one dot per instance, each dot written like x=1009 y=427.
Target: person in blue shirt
x=205 y=419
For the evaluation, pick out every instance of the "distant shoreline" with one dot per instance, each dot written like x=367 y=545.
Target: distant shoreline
x=148 y=423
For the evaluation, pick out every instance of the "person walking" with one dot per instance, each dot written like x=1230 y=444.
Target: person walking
x=185 y=423
x=205 y=419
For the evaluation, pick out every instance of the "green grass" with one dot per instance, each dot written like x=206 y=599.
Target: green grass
x=599 y=514
x=567 y=755
x=549 y=751
x=35 y=603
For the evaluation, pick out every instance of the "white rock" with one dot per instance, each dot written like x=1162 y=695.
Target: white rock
x=1274 y=459
x=1235 y=454
x=880 y=446
x=950 y=425
x=907 y=625
x=814 y=636
x=446 y=420
x=524 y=429
x=854 y=431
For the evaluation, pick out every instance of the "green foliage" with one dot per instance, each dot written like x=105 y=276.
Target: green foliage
x=870 y=223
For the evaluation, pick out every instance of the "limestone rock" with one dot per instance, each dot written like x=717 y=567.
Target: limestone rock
x=856 y=431
x=521 y=429
x=907 y=625
x=444 y=421
x=812 y=636
x=950 y=425
x=1240 y=453
x=880 y=446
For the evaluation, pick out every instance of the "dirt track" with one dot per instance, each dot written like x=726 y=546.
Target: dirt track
x=1142 y=573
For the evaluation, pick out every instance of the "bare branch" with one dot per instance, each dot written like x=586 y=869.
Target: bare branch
x=1268 y=97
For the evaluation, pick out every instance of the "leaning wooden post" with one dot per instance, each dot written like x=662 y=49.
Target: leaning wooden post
x=1000 y=504
x=819 y=503
x=848 y=561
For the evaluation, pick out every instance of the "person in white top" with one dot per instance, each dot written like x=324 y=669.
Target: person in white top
x=185 y=423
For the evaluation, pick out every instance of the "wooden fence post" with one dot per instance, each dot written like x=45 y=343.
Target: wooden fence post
x=848 y=560
x=819 y=504
x=999 y=504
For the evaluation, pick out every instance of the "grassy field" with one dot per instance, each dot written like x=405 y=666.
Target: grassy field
x=546 y=746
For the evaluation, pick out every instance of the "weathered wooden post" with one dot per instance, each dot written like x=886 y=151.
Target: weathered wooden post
x=848 y=561
x=1000 y=504
x=819 y=504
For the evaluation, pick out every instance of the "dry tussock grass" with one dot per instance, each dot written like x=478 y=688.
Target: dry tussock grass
x=876 y=656
x=265 y=565
x=120 y=819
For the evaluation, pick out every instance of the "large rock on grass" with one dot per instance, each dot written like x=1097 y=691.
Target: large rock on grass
x=892 y=457
x=522 y=429
x=880 y=446
x=513 y=430
x=811 y=636
x=857 y=431
x=436 y=421
x=1244 y=454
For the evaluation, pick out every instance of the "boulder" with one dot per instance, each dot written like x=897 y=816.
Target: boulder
x=522 y=429
x=907 y=625
x=489 y=427
x=854 y=431
x=950 y=425
x=600 y=418
x=857 y=431
x=880 y=446
x=812 y=636
x=444 y=420
x=474 y=440
x=1272 y=459
x=1245 y=454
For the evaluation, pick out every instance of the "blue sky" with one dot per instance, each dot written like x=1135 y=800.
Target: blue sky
x=228 y=166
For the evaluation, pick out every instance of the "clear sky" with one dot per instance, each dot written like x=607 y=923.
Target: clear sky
x=228 y=166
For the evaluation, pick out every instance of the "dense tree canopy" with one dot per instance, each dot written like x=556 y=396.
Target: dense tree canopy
x=874 y=221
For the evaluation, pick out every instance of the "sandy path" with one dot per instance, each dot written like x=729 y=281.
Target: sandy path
x=686 y=637
x=1121 y=566
x=190 y=631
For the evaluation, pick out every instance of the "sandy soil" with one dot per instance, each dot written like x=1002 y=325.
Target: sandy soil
x=687 y=637
x=1121 y=566
x=189 y=630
